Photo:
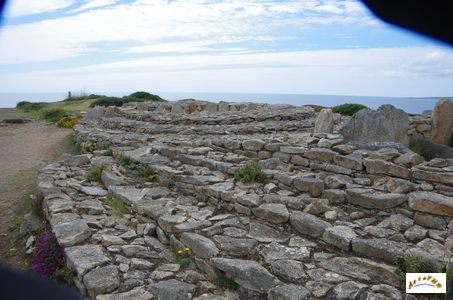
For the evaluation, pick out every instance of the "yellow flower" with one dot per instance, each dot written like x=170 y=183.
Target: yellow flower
x=179 y=251
x=187 y=249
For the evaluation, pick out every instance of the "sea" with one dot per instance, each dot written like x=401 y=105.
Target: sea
x=412 y=105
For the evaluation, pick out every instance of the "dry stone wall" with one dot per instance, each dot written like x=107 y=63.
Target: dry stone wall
x=327 y=222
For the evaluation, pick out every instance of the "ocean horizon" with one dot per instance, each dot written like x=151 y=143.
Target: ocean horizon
x=412 y=105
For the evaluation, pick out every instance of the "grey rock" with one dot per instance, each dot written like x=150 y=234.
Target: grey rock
x=397 y=222
x=311 y=185
x=353 y=162
x=111 y=179
x=386 y=124
x=86 y=257
x=324 y=121
x=247 y=273
x=134 y=294
x=101 y=280
x=430 y=221
x=201 y=246
x=235 y=246
x=415 y=233
x=349 y=290
x=379 y=248
x=276 y=251
x=30 y=222
x=253 y=145
x=72 y=233
x=265 y=234
x=94 y=191
x=75 y=160
x=92 y=207
x=320 y=154
x=379 y=166
x=374 y=199
x=442 y=122
x=272 y=212
x=172 y=289
x=339 y=236
x=308 y=224
x=289 y=292
x=289 y=270
x=400 y=186
x=432 y=203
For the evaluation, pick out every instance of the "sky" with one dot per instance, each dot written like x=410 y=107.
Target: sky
x=256 y=46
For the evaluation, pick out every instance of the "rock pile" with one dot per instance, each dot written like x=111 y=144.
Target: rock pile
x=327 y=222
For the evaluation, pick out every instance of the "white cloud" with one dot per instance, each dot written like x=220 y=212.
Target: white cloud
x=17 y=8
x=380 y=72
x=148 y=21
x=94 y=4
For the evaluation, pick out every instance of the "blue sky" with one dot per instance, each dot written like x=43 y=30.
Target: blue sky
x=271 y=46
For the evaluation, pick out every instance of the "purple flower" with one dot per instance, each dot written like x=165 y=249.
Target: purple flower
x=48 y=256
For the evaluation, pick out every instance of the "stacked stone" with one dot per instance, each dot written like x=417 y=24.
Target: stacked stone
x=328 y=221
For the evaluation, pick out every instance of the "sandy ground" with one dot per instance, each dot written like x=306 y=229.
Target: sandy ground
x=24 y=149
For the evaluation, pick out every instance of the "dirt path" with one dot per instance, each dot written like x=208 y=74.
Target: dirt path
x=24 y=149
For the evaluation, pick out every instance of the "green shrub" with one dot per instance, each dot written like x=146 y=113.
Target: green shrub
x=426 y=153
x=136 y=169
x=54 y=114
x=147 y=96
x=227 y=283
x=116 y=204
x=68 y=122
x=94 y=174
x=83 y=97
x=348 y=109
x=249 y=173
x=30 y=106
x=413 y=264
x=22 y=104
x=107 y=101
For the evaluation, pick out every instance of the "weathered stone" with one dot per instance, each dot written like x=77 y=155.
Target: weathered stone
x=92 y=207
x=274 y=213
x=337 y=181
x=111 y=179
x=326 y=276
x=172 y=289
x=247 y=273
x=289 y=292
x=108 y=240
x=235 y=246
x=432 y=203
x=415 y=233
x=101 y=280
x=397 y=222
x=409 y=159
x=354 y=162
x=276 y=251
x=289 y=270
x=265 y=234
x=86 y=257
x=320 y=154
x=72 y=233
x=249 y=200
x=349 y=290
x=167 y=221
x=339 y=236
x=134 y=294
x=378 y=248
x=363 y=269
x=324 y=121
x=30 y=223
x=94 y=191
x=75 y=160
x=201 y=246
x=379 y=166
x=318 y=208
x=399 y=186
x=430 y=221
x=374 y=199
x=307 y=184
x=308 y=224
x=442 y=122
x=386 y=124
x=253 y=145
x=443 y=177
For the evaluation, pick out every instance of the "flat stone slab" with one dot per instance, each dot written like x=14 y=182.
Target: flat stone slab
x=201 y=246
x=102 y=280
x=235 y=246
x=308 y=224
x=86 y=257
x=72 y=233
x=276 y=251
x=135 y=294
x=94 y=191
x=272 y=212
x=432 y=203
x=172 y=289
x=247 y=273
x=374 y=199
x=265 y=234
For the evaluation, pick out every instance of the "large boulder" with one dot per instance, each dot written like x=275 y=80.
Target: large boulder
x=386 y=124
x=442 y=122
x=324 y=122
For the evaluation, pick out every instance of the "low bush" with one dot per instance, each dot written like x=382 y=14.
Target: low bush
x=107 y=101
x=31 y=106
x=22 y=104
x=54 y=114
x=49 y=259
x=147 y=96
x=249 y=173
x=83 y=97
x=426 y=153
x=136 y=169
x=348 y=109
x=182 y=258
x=68 y=122
x=116 y=204
x=94 y=174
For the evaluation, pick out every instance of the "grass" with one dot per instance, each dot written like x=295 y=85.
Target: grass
x=183 y=262
x=411 y=264
x=72 y=147
x=427 y=154
x=136 y=169
x=116 y=204
x=348 y=109
x=94 y=174
x=54 y=114
x=249 y=173
x=227 y=283
x=134 y=97
x=28 y=204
